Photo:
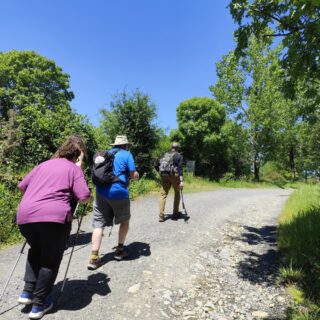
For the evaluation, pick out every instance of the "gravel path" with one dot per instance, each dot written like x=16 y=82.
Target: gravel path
x=220 y=265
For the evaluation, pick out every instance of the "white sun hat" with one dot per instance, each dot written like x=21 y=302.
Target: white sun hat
x=120 y=140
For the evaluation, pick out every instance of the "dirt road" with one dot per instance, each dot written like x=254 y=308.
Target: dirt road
x=218 y=265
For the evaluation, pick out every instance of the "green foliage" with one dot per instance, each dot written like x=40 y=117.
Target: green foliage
x=102 y=140
x=199 y=132
x=198 y=184
x=29 y=79
x=163 y=145
x=272 y=172
x=308 y=153
x=9 y=200
x=133 y=115
x=295 y=22
x=298 y=238
x=141 y=187
x=294 y=314
x=289 y=274
x=249 y=89
x=35 y=115
x=299 y=225
x=238 y=149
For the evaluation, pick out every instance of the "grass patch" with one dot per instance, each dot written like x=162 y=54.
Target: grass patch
x=198 y=184
x=247 y=184
x=289 y=274
x=299 y=240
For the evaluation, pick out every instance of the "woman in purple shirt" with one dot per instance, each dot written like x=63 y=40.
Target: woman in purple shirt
x=44 y=217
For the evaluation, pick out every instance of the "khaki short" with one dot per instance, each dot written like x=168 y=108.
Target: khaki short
x=106 y=212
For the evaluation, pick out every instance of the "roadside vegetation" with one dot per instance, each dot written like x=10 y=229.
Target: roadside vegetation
x=299 y=240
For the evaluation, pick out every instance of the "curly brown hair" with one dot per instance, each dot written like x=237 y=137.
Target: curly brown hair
x=71 y=148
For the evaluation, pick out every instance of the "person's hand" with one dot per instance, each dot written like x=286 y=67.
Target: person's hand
x=80 y=160
x=181 y=185
x=134 y=175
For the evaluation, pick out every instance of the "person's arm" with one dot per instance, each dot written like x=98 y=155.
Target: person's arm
x=80 y=188
x=133 y=173
x=23 y=185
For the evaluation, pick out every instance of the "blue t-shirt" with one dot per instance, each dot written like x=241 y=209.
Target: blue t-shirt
x=122 y=166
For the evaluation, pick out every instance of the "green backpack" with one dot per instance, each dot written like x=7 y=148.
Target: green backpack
x=166 y=164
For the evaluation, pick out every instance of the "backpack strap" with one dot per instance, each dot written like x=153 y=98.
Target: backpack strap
x=116 y=177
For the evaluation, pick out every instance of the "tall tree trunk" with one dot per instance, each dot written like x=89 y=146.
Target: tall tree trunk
x=256 y=159
x=292 y=163
x=256 y=168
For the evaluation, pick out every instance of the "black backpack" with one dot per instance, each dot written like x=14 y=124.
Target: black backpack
x=102 y=169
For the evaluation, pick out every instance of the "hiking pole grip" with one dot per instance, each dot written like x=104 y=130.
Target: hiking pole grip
x=14 y=267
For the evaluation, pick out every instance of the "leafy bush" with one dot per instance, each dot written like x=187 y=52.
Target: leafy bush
x=271 y=172
x=142 y=186
x=9 y=201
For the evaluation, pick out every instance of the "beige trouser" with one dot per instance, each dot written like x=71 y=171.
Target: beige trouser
x=167 y=182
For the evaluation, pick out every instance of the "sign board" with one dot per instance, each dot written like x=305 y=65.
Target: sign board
x=190 y=166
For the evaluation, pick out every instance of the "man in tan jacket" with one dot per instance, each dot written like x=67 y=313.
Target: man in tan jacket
x=170 y=169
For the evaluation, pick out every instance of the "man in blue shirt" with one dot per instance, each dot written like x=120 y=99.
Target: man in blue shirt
x=112 y=204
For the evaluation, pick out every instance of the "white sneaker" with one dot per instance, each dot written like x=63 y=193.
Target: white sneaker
x=25 y=298
x=38 y=312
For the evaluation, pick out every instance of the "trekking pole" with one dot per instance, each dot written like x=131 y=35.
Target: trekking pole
x=184 y=207
x=14 y=267
x=71 y=253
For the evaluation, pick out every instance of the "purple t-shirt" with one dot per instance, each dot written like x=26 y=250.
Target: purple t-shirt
x=48 y=189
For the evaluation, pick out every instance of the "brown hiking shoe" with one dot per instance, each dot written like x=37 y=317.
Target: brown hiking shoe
x=161 y=218
x=120 y=253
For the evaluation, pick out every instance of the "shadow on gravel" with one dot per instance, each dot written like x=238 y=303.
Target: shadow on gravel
x=135 y=249
x=260 y=268
x=180 y=216
x=78 y=293
x=254 y=235
x=83 y=239
x=138 y=249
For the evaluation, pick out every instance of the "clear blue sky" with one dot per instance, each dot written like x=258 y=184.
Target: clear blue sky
x=166 y=48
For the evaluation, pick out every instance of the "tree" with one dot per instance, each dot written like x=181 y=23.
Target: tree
x=200 y=121
x=27 y=78
x=297 y=23
x=238 y=149
x=133 y=115
x=35 y=114
x=163 y=144
x=248 y=89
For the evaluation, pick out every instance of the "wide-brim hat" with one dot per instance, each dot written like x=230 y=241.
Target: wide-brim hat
x=120 y=140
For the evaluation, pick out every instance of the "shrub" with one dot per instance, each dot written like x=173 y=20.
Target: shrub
x=142 y=186
x=9 y=201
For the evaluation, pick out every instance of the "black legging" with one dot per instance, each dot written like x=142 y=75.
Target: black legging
x=47 y=242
